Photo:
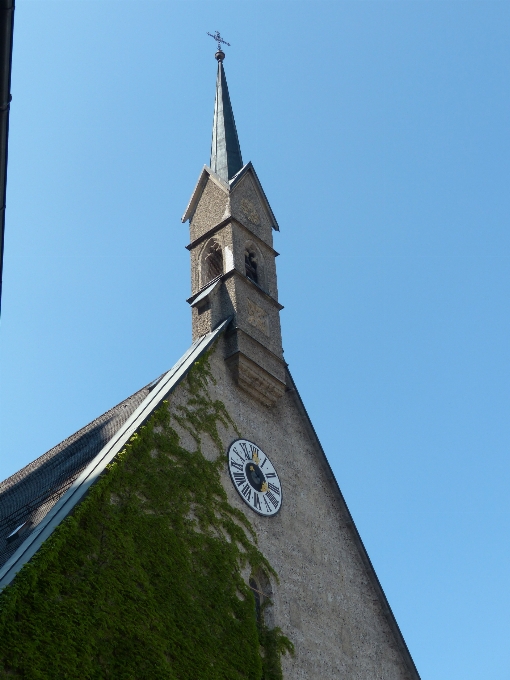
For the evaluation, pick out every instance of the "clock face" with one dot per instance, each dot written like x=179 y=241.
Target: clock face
x=254 y=477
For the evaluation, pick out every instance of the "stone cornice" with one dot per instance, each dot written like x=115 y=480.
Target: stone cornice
x=237 y=329
x=224 y=223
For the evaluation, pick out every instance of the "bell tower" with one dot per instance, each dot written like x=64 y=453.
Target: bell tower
x=233 y=267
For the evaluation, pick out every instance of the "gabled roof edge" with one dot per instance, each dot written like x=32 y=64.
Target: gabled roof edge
x=390 y=617
x=98 y=464
x=205 y=173
x=237 y=178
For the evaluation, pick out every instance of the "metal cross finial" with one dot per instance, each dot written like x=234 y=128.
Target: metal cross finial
x=216 y=35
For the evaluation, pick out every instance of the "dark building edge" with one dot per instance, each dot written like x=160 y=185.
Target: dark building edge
x=6 y=34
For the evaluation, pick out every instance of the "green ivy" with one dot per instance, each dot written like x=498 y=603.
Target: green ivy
x=144 y=579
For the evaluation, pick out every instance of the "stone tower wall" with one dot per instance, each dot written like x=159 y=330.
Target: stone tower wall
x=234 y=220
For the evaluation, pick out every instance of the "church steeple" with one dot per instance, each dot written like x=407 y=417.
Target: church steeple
x=233 y=262
x=226 y=159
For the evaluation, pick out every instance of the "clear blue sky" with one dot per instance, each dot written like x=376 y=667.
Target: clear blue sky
x=380 y=132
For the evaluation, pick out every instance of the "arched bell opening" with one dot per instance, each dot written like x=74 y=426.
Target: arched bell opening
x=212 y=262
x=254 y=264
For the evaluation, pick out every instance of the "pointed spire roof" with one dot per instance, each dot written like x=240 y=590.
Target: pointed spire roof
x=226 y=159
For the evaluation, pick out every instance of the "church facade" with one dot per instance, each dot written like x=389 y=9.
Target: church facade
x=200 y=515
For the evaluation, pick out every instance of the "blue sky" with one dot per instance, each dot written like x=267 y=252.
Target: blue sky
x=379 y=131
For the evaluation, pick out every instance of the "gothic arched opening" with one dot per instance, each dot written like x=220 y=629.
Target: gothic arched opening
x=251 y=264
x=257 y=594
x=212 y=263
x=262 y=591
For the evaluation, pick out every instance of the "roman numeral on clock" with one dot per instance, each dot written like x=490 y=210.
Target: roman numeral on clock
x=270 y=475
x=245 y=449
x=240 y=478
x=246 y=491
x=237 y=453
x=274 y=488
x=268 y=507
x=235 y=464
x=256 y=501
x=272 y=499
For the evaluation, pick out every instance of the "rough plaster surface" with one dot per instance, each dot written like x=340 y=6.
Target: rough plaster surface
x=243 y=199
x=325 y=601
x=210 y=209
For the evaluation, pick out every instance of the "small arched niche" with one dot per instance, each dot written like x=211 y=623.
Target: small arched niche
x=260 y=586
x=212 y=262
x=254 y=264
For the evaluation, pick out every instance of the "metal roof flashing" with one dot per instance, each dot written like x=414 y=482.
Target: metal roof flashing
x=202 y=295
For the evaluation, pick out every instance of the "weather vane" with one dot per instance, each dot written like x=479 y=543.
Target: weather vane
x=216 y=35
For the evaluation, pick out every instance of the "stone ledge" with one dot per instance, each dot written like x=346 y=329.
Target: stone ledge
x=253 y=379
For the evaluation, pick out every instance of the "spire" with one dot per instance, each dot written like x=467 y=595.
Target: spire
x=226 y=159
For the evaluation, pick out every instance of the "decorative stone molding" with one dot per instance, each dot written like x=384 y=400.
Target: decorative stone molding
x=255 y=380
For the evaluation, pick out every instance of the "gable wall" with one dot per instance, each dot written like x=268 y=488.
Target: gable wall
x=325 y=602
x=247 y=207
x=210 y=209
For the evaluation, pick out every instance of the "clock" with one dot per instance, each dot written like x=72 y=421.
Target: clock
x=254 y=477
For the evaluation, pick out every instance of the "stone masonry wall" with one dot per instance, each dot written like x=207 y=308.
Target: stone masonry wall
x=247 y=207
x=325 y=602
x=210 y=209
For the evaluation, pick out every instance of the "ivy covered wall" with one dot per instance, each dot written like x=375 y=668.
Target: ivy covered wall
x=144 y=579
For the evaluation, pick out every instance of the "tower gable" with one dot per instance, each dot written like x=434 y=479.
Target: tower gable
x=213 y=201
x=209 y=204
x=249 y=202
